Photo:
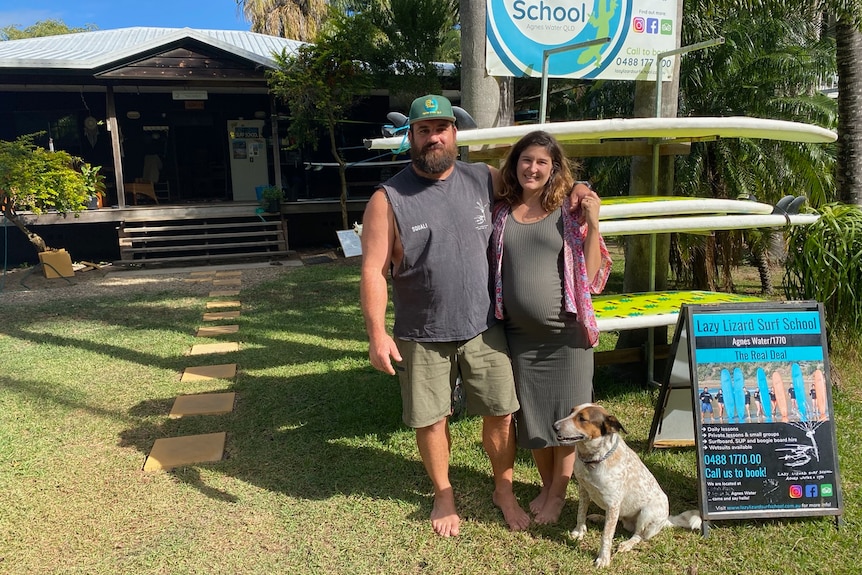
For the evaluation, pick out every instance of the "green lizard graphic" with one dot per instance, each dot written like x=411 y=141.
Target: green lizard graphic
x=601 y=21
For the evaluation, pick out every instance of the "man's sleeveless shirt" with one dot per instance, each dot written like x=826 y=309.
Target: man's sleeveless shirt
x=441 y=291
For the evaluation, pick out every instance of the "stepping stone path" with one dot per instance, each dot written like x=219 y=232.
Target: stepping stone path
x=171 y=452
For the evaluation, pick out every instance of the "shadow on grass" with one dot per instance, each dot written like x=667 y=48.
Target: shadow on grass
x=315 y=437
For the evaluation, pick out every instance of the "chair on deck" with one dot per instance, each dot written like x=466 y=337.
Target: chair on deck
x=148 y=184
x=140 y=188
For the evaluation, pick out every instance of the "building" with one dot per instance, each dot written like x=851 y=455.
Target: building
x=183 y=126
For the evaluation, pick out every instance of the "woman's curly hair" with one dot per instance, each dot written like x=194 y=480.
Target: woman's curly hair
x=559 y=183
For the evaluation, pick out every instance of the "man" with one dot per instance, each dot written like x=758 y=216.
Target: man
x=430 y=224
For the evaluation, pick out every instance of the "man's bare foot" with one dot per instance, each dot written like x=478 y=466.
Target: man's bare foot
x=538 y=503
x=444 y=517
x=515 y=516
x=550 y=513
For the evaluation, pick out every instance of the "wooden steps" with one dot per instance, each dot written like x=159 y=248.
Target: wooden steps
x=221 y=237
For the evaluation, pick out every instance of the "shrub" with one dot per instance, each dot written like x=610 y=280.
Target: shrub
x=824 y=263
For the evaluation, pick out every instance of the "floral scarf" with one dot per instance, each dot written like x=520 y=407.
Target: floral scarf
x=576 y=288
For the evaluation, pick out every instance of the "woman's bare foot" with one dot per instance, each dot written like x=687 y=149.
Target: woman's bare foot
x=444 y=516
x=550 y=513
x=538 y=503
x=515 y=516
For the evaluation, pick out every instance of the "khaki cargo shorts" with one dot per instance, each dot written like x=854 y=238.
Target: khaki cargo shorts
x=429 y=370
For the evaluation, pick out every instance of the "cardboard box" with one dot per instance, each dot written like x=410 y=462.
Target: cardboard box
x=57 y=264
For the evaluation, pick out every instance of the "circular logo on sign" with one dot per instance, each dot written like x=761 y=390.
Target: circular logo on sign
x=521 y=30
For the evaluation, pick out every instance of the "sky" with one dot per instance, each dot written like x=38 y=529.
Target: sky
x=110 y=14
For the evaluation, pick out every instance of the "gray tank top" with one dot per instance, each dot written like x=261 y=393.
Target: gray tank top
x=442 y=289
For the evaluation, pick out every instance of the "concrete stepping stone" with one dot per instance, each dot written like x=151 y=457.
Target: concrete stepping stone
x=217 y=315
x=224 y=293
x=228 y=274
x=207 y=372
x=207 y=348
x=235 y=282
x=203 y=404
x=216 y=330
x=223 y=304
x=171 y=452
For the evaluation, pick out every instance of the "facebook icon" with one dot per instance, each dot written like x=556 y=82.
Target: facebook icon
x=652 y=25
x=810 y=490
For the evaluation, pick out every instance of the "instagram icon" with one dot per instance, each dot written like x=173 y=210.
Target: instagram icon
x=795 y=491
x=638 y=24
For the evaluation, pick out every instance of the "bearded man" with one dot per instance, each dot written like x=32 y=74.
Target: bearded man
x=429 y=226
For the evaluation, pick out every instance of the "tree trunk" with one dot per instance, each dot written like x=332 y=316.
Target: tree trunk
x=488 y=100
x=342 y=171
x=34 y=238
x=703 y=266
x=760 y=258
x=848 y=45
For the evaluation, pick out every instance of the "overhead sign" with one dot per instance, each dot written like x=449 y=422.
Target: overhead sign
x=519 y=31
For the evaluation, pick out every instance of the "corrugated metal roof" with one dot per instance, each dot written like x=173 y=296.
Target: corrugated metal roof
x=93 y=50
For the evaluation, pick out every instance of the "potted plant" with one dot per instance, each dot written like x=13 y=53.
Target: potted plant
x=95 y=186
x=271 y=199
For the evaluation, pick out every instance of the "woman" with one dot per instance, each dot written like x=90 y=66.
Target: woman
x=547 y=260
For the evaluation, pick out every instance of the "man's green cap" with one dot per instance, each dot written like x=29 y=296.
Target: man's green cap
x=431 y=107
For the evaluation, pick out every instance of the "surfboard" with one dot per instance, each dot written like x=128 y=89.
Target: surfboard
x=661 y=225
x=765 y=401
x=619 y=207
x=653 y=309
x=673 y=129
x=726 y=396
x=780 y=395
x=738 y=385
x=798 y=382
x=820 y=394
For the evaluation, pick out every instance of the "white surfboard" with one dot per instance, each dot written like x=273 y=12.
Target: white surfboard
x=677 y=129
x=700 y=224
x=617 y=207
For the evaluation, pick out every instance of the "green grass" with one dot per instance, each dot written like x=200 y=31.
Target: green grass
x=319 y=474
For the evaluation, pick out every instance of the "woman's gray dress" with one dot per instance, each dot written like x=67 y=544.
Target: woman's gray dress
x=551 y=355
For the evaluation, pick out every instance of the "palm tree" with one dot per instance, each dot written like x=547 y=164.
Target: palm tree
x=768 y=67
x=297 y=19
x=849 y=63
x=845 y=18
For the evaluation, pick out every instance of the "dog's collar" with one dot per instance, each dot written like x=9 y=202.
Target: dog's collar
x=606 y=455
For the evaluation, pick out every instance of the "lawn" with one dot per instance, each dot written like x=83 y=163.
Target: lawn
x=319 y=474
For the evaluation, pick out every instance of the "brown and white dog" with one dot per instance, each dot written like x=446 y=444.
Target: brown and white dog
x=612 y=476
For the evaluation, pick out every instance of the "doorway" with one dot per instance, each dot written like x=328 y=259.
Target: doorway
x=198 y=154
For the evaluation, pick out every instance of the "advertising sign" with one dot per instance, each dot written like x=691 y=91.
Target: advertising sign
x=519 y=31
x=764 y=424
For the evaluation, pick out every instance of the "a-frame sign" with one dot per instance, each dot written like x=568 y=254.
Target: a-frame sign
x=748 y=385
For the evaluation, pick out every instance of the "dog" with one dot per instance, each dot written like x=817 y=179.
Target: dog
x=612 y=476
